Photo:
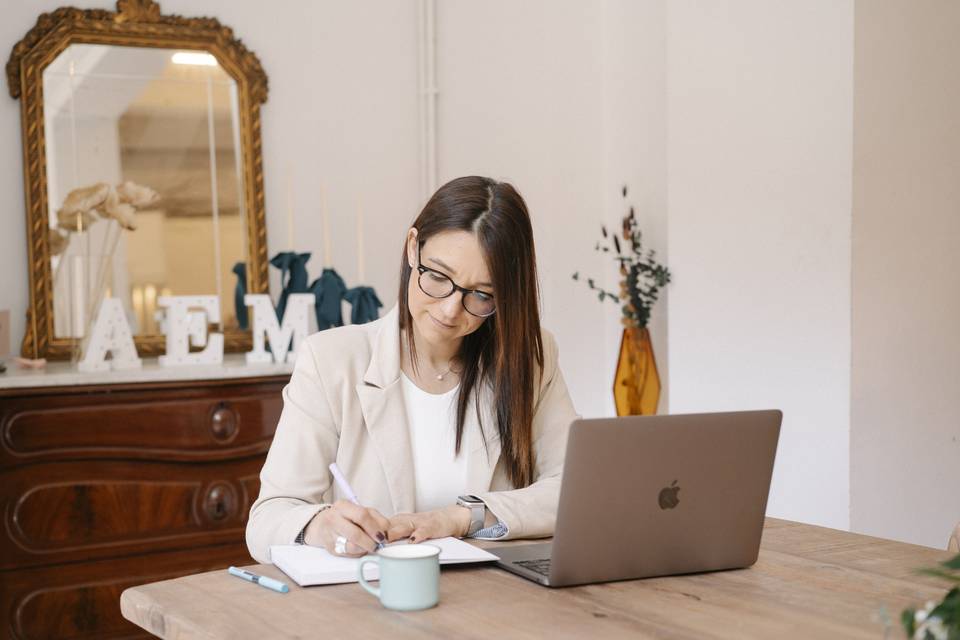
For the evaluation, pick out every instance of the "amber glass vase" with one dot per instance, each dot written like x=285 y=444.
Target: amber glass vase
x=636 y=385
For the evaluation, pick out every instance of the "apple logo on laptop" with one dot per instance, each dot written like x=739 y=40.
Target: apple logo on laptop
x=668 y=496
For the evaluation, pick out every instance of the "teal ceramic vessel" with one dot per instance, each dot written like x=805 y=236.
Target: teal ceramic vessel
x=409 y=576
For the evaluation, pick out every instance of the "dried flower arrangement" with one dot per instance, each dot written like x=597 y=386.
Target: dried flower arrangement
x=642 y=275
x=82 y=208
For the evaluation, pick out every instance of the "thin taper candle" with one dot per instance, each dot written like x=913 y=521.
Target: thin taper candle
x=360 y=273
x=325 y=215
x=289 y=210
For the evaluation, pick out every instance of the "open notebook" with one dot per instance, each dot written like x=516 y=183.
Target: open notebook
x=308 y=565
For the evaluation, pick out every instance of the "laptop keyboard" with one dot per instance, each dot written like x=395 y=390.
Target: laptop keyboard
x=537 y=566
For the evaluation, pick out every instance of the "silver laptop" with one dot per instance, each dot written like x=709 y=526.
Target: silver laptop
x=654 y=496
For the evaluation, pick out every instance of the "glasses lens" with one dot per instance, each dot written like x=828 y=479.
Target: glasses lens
x=435 y=285
x=479 y=304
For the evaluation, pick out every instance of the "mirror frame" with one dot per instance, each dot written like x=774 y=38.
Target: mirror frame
x=136 y=23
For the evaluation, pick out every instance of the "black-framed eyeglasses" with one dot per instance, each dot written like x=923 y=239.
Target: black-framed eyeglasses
x=439 y=285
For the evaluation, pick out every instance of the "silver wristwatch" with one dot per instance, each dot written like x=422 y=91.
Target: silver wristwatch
x=478 y=512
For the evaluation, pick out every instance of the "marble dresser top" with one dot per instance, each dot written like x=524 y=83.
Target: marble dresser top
x=65 y=374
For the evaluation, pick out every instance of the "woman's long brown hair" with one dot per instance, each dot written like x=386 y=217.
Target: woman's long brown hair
x=506 y=352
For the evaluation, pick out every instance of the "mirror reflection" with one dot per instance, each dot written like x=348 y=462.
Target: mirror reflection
x=145 y=189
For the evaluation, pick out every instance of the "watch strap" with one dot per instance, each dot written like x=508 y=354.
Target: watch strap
x=478 y=512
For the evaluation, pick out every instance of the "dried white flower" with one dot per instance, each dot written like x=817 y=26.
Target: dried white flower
x=119 y=211
x=86 y=205
x=137 y=195
x=80 y=206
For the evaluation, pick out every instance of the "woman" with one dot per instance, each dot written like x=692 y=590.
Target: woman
x=455 y=392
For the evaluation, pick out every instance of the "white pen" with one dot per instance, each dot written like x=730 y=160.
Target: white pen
x=263 y=581
x=347 y=489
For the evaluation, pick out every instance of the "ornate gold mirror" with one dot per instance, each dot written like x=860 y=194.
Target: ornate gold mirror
x=143 y=173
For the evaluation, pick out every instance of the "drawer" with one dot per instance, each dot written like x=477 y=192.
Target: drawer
x=201 y=423
x=83 y=600
x=75 y=511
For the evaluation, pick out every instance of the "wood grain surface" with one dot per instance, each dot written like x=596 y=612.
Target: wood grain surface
x=809 y=582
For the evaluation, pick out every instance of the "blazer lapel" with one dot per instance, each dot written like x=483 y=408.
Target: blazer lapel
x=381 y=401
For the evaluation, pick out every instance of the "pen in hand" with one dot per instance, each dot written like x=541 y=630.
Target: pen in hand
x=347 y=490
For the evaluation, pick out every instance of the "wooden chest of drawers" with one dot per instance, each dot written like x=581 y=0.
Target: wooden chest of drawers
x=105 y=487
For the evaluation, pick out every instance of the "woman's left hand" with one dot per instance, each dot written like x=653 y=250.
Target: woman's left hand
x=449 y=521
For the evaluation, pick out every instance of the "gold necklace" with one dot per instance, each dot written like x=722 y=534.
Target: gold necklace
x=439 y=376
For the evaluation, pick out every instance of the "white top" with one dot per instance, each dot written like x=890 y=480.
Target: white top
x=439 y=476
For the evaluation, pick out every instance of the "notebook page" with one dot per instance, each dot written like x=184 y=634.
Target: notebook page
x=308 y=565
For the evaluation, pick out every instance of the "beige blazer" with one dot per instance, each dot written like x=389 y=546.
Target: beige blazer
x=344 y=403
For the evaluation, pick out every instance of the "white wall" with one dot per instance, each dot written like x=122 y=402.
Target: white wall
x=759 y=101
x=905 y=446
x=523 y=104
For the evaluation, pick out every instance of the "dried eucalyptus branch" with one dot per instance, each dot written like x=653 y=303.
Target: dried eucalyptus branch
x=642 y=275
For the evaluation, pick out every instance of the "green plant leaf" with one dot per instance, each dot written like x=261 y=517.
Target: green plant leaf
x=940 y=573
x=909 y=621
x=952 y=563
x=949 y=609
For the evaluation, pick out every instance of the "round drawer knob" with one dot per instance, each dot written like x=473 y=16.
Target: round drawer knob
x=220 y=502
x=223 y=422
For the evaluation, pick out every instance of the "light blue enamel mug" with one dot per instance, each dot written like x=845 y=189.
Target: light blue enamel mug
x=409 y=576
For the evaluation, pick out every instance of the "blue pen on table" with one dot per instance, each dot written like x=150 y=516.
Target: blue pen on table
x=263 y=581
x=347 y=489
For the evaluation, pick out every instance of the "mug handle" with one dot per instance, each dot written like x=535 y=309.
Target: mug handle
x=363 y=582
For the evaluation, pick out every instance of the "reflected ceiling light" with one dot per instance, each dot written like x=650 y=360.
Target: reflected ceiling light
x=194 y=58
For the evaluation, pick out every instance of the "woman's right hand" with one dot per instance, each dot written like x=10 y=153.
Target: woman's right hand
x=362 y=527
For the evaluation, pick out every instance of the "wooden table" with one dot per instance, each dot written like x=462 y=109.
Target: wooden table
x=809 y=582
